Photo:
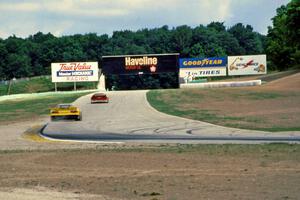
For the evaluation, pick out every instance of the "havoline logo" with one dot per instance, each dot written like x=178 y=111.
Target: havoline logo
x=138 y=63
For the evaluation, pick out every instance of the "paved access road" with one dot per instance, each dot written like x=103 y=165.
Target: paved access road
x=129 y=117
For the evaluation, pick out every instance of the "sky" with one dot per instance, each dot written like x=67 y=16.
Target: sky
x=67 y=17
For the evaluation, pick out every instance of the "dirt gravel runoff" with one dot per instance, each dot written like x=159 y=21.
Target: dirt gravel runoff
x=216 y=173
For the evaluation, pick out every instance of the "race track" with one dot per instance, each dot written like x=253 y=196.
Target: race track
x=129 y=117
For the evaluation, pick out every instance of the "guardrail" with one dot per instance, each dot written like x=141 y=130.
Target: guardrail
x=221 y=84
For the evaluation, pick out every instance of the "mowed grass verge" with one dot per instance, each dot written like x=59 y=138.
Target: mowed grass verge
x=42 y=84
x=258 y=108
x=271 y=152
x=32 y=108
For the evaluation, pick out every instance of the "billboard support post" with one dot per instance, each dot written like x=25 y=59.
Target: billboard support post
x=55 y=86
x=74 y=86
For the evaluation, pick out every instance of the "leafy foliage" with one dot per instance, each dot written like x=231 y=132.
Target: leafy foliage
x=142 y=81
x=283 y=42
x=33 y=56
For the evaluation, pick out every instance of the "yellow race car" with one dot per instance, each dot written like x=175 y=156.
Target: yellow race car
x=65 y=111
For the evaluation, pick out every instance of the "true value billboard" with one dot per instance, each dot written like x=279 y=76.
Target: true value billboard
x=74 y=72
x=193 y=68
x=140 y=64
x=247 y=65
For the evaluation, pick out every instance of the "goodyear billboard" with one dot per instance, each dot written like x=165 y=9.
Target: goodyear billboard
x=247 y=65
x=140 y=64
x=74 y=72
x=193 y=68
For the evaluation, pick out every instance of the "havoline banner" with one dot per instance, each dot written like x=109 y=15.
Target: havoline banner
x=140 y=64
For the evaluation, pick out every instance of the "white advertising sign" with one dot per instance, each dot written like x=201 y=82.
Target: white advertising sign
x=190 y=74
x=247 y=65
x=74 y=72
x=192 y=69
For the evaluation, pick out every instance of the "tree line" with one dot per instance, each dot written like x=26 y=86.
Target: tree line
x=33 y=55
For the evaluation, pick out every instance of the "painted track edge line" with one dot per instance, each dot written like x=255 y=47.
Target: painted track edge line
x=72 y=140
x=78 y=141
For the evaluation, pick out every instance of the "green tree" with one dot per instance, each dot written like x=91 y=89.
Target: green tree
x=33 y=56
x=247 y=38
x=292 y=23
x=229 y=44
x=18 y=66
x=40 y=37
x=218 y=26
x=197 y=51
x=283 y=38
x=181 y=39
x=39 y=46
x=3 y=61
x=18 y=62
x=159 y=40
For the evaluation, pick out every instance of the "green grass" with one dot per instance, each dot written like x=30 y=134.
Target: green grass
x=270 y=151
x=274 y=129
x=187 y=103
x=253 y=127
x=257 y=95
x=42 y=84
x=20 y=109
x=170 y=107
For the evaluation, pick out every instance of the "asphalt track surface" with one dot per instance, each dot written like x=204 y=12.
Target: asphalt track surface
x=129 y=118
